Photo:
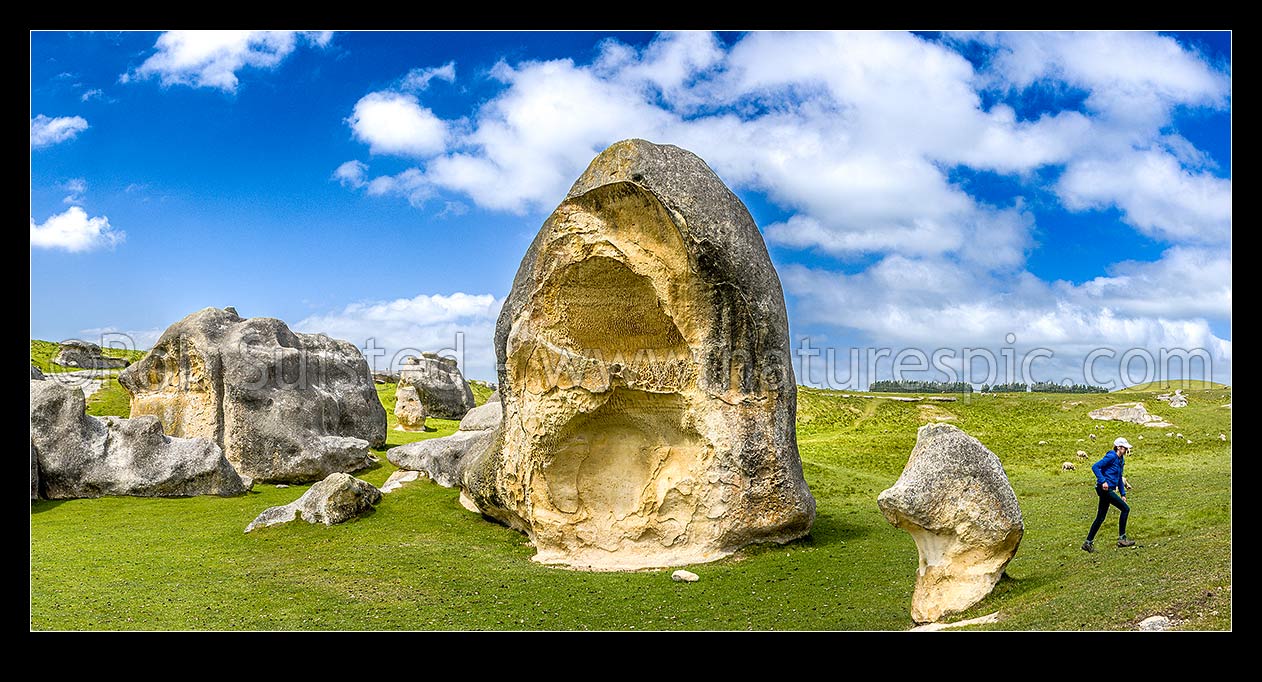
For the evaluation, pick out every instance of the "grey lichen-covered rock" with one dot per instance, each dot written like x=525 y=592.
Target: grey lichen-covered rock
x=77 y=455
x=1134 y=413
x=409 y=411
x=1178 y=399
x=1154 y=623
x=283 y=406
x=645 y=376
x=75 y=353
x=443 y=460
x=955 y=500
x=337 y=498
x=439 y=384
x=494 y=397
x=36 y=374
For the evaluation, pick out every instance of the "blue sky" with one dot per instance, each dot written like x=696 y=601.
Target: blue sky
x=916 y=191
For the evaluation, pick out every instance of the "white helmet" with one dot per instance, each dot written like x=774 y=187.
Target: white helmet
x=1122 y=442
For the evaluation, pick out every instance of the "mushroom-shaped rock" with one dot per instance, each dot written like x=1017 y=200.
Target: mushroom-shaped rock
x=77 y=455
x=955 y=500
x=283 y=406
x=337 y=498
x=645 y=376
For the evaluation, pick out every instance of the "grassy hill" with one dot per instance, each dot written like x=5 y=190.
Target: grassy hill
x=421 y=562
x=1185 y=384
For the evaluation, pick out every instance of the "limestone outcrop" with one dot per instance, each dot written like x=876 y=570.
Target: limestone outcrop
x=85 y=355
x=1134 y=413
x=644 y=375
x=283 y=406
x=409 y=411
x=439 y=385
x=77 y=455
x=955 y=500
x=336 y=499
x=444 y=460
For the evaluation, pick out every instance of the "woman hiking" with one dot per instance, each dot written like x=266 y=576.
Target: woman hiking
x=1110 y=487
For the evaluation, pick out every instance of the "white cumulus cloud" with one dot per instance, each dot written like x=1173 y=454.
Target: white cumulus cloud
x=212 y=58
x=859 y=138
x=459 y=325
x=74 y=231
x=46 y=131
x=419 y=79
x=396 y=123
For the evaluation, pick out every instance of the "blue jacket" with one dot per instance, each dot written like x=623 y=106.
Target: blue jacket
x=1109 y=470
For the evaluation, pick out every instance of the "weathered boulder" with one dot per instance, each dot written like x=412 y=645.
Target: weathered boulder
x=75 y=353
x=1178 y=399
x=494 y=397
x=955 y=500
x=439 y=384
x=1134 y=413
x=443 y=460
x=337 y=498
x=1154 y=623
x=398 y=479
x=408 y=409
x=645 y=376
x=77 y=455
x=682 y=576
x=36 y=374
x=283 y=406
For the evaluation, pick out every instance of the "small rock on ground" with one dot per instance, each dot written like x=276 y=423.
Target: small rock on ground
x=1154 y=623
x=682 y=576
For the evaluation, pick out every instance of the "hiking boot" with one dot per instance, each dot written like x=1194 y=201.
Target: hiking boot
x=1125 y=542
x=1088 y=546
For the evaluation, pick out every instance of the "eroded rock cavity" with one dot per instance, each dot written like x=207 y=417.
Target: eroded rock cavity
x=648 y=400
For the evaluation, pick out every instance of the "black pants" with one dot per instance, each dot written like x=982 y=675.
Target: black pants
x=1109 y=497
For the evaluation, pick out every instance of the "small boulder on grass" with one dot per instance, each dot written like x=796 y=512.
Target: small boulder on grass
x=338 y=498
x=682 y=576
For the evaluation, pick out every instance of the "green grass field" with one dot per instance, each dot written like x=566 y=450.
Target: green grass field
x=1163 y=386
x=422 y=562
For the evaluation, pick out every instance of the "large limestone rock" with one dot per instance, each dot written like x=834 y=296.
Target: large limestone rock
x=443 y=460
x=408 y=409
x=77 y=455
x=36 y=374
x=1134 y=413
x=284 y=406
x=955 y=500
x=1178 y=399
x=439 y=384
x=644 y=372
x=86 y=355
x=338 y=498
